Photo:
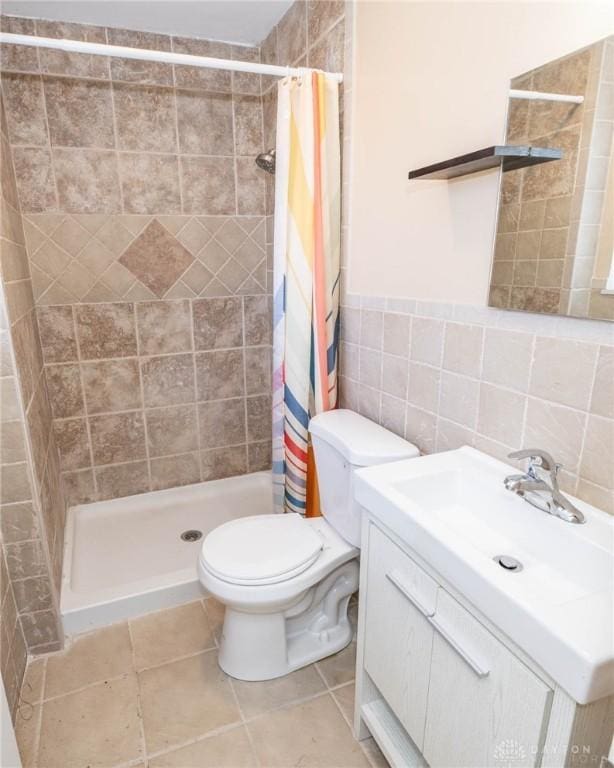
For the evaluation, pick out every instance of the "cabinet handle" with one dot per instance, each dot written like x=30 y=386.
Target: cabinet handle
x=477 y=668
x=393 y=579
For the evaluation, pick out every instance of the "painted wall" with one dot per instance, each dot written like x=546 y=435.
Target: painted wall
x=431 y=82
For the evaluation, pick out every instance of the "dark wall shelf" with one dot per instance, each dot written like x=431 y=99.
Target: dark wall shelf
x=508 y=156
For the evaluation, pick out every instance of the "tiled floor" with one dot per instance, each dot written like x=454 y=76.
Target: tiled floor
x=149 y=692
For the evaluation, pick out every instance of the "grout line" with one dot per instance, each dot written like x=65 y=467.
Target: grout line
x=142 y=393
x=85 y=417
x=139 y=704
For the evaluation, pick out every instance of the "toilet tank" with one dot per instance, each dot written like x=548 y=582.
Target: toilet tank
x=344 y=441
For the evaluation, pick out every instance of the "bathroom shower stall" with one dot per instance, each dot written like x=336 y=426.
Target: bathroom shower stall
x=137 y=237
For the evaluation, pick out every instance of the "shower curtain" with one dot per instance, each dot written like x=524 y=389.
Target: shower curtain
x=306 y=279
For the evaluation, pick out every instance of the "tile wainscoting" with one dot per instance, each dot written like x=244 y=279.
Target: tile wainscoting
x=446 y=375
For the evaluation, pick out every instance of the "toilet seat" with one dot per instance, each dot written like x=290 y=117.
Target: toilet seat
x=262 y=549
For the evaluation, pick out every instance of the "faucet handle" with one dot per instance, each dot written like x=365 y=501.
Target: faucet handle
x=537 y=458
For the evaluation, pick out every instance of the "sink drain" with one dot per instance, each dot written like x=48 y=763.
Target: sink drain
x=508 y=563
x=191 y=535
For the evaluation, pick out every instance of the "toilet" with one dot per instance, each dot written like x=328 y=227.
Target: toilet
x=286 y=580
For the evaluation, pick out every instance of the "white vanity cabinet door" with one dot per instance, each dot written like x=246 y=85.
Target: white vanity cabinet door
x=398 y=637
x=485 y=707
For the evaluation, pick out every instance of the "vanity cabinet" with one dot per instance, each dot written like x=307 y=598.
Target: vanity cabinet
x=437 y=687
x=398 y=636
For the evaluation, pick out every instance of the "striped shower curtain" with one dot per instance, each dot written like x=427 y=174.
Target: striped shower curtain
x=306 y=277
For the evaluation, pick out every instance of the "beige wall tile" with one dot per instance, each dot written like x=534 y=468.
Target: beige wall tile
x=168 y=380
x=292 y=34
x=394 y=375
x=218 y=323
x=451 y=435
x=222 y=423
x=217 y=463
x=556 y=367
x=602 y=400
x=392 y=414
x=164 y=326
x=248 y=125
x=396 y=334
x=87 y=180
x=258 y=365
x=250 y=187
x=106 y=330
x=557 y=429
x=122 y=480
x=78 y=487
x=459 y=399
x=423 y=390
x=371 y=328
x=258 y=312
x=132 y=71
x=321 y=16
x=507 y=358
x=196 y=77
x=420 y=428
x=204 y=123
x=111 y=385
x=463 y=348
x=65 y=393
x=72 y=440
x=35 y=179
x=501 y=415
x=208 y=185
x=220 y=374
x=117 y=437
x=79 y=113
x=171 y=430
x=150 y=183
x=156 y=258
x=258 y=456
x=174 y=471
x=598 y=451
x=25 y=109
x=63 y=63
x=258 y=417
x=145 y=117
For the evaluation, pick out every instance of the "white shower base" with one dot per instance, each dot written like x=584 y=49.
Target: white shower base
x=125 y=557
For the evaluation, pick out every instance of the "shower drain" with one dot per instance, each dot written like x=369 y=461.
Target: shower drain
x=191 y=535
x=508 y=562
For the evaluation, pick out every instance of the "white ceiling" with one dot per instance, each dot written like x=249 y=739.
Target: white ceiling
x=236 y=21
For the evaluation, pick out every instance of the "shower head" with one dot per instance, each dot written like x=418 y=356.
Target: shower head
x=266 y=161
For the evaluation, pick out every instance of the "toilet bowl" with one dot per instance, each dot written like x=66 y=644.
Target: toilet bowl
x=286 y=580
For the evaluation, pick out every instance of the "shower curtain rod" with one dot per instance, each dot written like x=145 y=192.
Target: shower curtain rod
x=543 y=96
x=166 y=57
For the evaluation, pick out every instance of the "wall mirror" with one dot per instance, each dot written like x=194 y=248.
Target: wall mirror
x=554 y=241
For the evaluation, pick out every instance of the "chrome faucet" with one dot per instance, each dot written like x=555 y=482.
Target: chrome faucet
x=532 y=488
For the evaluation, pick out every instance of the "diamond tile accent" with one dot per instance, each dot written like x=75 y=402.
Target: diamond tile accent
x=70 y=236
x=157 y=259
x=92 y=257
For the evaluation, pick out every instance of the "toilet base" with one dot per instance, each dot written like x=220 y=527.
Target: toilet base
x=262 y=646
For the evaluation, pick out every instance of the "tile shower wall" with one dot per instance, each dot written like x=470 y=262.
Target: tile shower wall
x=31 y=503
x=146 y=237
x=312 y=33
x=444 y=376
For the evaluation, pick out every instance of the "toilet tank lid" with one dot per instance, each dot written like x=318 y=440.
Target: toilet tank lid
x=361 y=441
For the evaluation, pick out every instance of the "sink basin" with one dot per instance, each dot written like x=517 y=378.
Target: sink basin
x=453 y=511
